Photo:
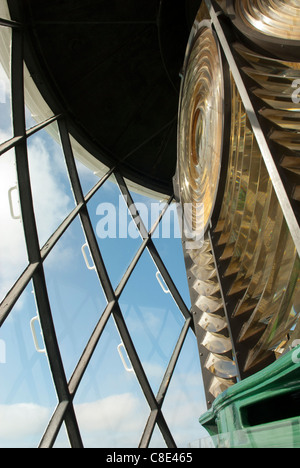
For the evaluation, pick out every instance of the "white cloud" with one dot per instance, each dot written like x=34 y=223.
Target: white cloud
x=110 y=413
x=87 y=176
x=4 y=86
x=21 y=421
x=184 y=403
x=154 y=371
x=13 y=256
x=110 y=421
x=51 y=202
x=115 y=421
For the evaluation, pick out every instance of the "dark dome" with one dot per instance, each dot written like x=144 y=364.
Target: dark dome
x=113 y=67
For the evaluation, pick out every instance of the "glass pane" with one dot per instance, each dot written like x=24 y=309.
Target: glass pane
x=148 y=208
x=153 y=319
x=76 y=296
x=110 y=407
x=52 y=196
x=4 y=11
x=87 y=177
x=167 y=240
x=62 y=440
x=117 y=235
x=27 y=395
x=6 y=131
x=185 y=400
x=157 y=440
x=90 y=169
x=13 y=255
x=36 y=109
x=276 y=435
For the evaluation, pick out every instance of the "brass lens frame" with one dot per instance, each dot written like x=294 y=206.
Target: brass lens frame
x=201 y=127
x=273 y=25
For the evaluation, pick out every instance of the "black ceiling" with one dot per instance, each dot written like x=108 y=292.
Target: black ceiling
x=113 y=67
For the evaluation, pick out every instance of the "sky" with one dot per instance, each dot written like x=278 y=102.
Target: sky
x=109 y=397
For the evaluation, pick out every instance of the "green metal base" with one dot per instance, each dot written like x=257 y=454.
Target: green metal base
x=260 y=411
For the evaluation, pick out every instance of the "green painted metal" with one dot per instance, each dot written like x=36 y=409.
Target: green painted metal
x=261 y=411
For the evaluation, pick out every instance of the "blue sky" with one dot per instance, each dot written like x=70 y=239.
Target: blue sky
x=109 y=397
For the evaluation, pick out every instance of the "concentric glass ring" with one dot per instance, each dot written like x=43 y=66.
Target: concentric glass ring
x=276 y=18
x=201 y=128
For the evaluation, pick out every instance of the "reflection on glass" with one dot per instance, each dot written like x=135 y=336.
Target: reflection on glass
x=217 y=343
x=36 y=109
x=116 y=233
x=280 y=321
x=90 y=169
x=185 y=399
x=76 y=296
x=257 y=243
x=277 y=100
x=150 y=205
x=6 y=131
x=167 y=240
x=277 y=18
x=62 y=440
x=27 y=396
x=246 y=233
x=13 y=255
x=213 y=323
x=209 y=303
x=153 y=319
x=265 y=257
x=206 y=287
x=157 y=440
x=283 y=434
x=274 y=286
x=218 y=385
x=294 y=335
x=277 y=83
x=4 y=11
x=203 y=272
x=241 y=147
x=221 y=366
x=87 y=177
x=52 y=195
x=266 y=64
x=277 y=86
x=201 y=128
x=109 y=405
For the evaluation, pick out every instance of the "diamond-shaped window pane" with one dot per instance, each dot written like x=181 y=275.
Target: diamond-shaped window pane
x=153 y=319
x=13 y=254
x=27 y=394
x=76 y=296
x=109 y=397
x=167 y=240
x=52 y=195
x=116 y=233
x=6 y=130
x=185 y=399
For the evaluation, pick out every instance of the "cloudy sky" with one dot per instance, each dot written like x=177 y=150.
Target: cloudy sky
x=109 y=398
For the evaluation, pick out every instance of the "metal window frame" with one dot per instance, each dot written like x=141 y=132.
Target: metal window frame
x=66 y=391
